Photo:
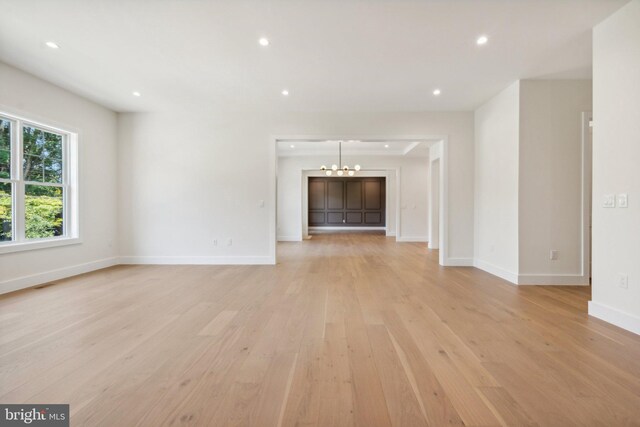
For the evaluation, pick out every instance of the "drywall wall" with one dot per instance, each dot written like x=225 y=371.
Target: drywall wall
x=616 y=150
x=528 y=182
x=190 y=177
x=413 y=179
x=27 y=96
x=550 y=179
x=496 y=184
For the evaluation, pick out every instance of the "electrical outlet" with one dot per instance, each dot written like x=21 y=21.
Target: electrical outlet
x=622 y=200
x=623 y=281
x=609 y=201
x=553 y=255
x=229 y=242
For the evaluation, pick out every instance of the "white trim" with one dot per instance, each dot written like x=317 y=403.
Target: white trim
x=390 y=233
x=198 y=260
x=434 y=243
x=412 y=239
x=289 y=238
x=398 y=200
x=622 y=319
x=38 y=244
x=69 y=186
x=304 y=198
x=530 y=278
x=444 y=202
x=496 y=271
x=272 y=202
x=24 y=282
x=349 y=153
x=586 y=178
x=459 y=262
x=553 y=279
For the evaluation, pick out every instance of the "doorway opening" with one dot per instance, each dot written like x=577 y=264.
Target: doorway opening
x=338 y=204
x=389 y=200
x=392 y=192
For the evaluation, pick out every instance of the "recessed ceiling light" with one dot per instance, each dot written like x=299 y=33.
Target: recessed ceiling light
x=263 y=41
x=386 y=145
x=53 y=45
x=285 y=92
x=292 y=146
x=437 y=92
x=136 y=93
x=482 y=40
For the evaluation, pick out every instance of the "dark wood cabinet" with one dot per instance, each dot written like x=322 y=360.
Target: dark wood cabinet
x=347 y=202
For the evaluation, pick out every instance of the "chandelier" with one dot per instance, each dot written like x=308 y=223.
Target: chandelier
x=339 y=168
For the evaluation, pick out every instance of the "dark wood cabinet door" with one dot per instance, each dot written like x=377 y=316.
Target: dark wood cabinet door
x=335 y=195
x=354 y=195
x=347 y=202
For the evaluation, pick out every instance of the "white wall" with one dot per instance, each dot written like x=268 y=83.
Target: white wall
x=413 y=193
x=223 y=166
x=550 y=183
x=496 y=183
x=616 y=150
x=528 y=182
x=27 y=96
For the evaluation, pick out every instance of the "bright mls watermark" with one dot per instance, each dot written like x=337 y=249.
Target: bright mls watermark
x=34 y=415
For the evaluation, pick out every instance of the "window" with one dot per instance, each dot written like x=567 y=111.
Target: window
x=38 y=171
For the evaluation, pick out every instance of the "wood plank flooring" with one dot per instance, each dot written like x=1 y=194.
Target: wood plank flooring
x=348 y=329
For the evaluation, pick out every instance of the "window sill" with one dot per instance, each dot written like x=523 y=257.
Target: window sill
x=6 y=248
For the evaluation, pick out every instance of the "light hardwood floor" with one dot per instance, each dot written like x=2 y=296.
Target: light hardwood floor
x=346 y=330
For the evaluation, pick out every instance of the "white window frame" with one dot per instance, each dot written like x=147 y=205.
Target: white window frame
x=71 y=229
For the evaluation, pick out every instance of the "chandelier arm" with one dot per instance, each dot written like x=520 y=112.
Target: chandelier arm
x=340 y=167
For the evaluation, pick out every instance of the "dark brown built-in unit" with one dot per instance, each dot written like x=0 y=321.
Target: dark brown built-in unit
x=347 y=202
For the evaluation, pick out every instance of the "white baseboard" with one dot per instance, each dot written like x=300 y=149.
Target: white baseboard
x=289 y=238
x=614 y=316
x=411 y=239
x=391 y=233
x=553 y=279
x=198 y=260
x=533 y=279
x=458 y=262
x=496 y=271
x=24 y=282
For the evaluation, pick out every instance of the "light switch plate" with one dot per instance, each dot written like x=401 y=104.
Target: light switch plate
x=609 y=201
x=622 y=200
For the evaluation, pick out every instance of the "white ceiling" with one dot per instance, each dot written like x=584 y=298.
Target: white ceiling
x=332 y=55
x=330 y=148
